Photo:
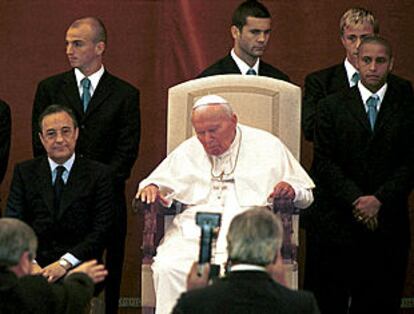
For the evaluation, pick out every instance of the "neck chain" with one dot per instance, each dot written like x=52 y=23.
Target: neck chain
x=223 y=173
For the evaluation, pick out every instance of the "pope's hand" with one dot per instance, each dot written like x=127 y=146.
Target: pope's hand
x=150 y=194
x=283 y=190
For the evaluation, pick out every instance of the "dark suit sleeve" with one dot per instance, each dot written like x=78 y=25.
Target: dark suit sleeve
x=313 y=93
x=41 y=101
x=5 y=134
x=326 y=169
x=16 y=201
x=126 y=150
x=69 y=297
x=401 y=182
x=96 y=240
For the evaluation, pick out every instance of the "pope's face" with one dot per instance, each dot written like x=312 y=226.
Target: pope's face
x=214 y=127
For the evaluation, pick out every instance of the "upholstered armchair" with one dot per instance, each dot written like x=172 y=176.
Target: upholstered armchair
x=261 y=102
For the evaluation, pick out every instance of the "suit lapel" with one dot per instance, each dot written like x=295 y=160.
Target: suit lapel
x=71 y=93
x=388 y=106
x=231 y=66
x=44 y=182
x=102 y=92
x=339 y=79
x=355 y=105
x=74 y=185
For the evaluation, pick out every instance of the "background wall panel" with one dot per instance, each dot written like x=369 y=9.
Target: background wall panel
x=157 y=44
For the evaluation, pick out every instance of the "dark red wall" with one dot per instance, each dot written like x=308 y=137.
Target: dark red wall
x=157 y=44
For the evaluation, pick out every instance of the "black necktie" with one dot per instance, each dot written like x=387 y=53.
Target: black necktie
x=58 y=187
x=251 y=71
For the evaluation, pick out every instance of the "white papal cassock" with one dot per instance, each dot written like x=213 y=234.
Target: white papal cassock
x=242 y=177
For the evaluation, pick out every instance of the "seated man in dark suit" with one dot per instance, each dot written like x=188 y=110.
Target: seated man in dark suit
x=250 y=29
x=66 y=199
x=254 y=241
x=22 y=293
x=355 y=24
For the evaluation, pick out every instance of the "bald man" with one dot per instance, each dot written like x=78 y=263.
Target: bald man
x=226 y=168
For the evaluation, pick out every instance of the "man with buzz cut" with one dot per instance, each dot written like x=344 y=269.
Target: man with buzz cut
x=250 y=29
x=355 y=24
x=363 y=166
x=107 y=109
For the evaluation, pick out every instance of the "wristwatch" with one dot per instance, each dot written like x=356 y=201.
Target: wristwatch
x=65 y=264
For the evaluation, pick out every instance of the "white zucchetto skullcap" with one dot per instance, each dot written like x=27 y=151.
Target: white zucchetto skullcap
x=209 y=99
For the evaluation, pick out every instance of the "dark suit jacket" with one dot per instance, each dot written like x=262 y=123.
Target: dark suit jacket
x=109 y=131
x=246 y=292
x=81 y=227
x=351 y=161
x=5 y=134
x=34 y=295
x=319 y=85
x=228 y=66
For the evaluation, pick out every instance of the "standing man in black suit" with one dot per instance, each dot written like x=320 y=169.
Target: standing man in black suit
x=254 y=241
x=250 y=29
x=66 y=198
x=355 y=24
x=107 y=109
x=21 y=292
x=363 y=171
x=5 y=135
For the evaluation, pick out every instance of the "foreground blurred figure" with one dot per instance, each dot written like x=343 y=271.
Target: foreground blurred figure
x=20 y=292
x=253 y=243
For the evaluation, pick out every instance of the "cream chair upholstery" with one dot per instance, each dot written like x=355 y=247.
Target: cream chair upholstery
x=261 y=102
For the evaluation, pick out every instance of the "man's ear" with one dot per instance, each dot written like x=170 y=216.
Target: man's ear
x=24 y=267
x=235 y=32
x=100 y=48
x=76 y=133
x=391 y=66
x=41 y=138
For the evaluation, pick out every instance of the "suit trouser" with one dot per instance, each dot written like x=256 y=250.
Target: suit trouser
x=363 y=277
x=115 y=255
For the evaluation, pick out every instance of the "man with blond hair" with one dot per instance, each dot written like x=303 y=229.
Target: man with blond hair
x=355 y=24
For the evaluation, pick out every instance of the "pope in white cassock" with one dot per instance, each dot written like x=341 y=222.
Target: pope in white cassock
x=227 y=168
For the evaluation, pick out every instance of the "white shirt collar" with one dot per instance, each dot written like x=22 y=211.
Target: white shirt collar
x=248 y=267
x=366 y=93
x=67 y=164
x=243 y=66
x=350 y=70
x=94 y=78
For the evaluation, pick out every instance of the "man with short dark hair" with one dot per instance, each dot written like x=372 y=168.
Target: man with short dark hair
x=22 y=293
x=66 y=198
x=355 y=24
x=363 y=171
x=107 y=109
x=254 y=240
x=250 y=29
